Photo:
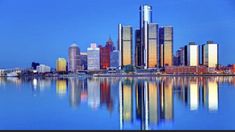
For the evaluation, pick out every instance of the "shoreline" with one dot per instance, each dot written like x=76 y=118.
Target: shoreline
x=123 y=75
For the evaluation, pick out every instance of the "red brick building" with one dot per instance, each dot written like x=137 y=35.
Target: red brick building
x=186 y=70
x=233 y=68
x=105 y=54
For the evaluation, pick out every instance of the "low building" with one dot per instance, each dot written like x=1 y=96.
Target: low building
x=43 y=69
x=34 y=65
x=61 y=65
x=186 y=70
x=233 y=69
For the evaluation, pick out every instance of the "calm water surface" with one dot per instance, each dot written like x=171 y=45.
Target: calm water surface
x=118 y=103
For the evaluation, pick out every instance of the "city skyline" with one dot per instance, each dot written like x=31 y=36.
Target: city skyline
x=40 y=50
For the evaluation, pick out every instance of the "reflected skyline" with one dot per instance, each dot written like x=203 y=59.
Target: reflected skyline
x=145 y=103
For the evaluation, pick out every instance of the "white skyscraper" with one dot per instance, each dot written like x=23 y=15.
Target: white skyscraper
x=93 y=57
x=192 y=54
x=210 y=54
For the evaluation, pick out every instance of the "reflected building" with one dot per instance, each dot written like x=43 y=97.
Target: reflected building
x=84 y=91
x=105 y=94
x=211 y=94
x=75 y=91
x=93 y=86
x=125 y=102
x=61 y=87
x=193 y=94
x=166 y=99
x=40 y=84
x=153 y=100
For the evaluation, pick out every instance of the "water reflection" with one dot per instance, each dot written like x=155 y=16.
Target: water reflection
x=143 y=102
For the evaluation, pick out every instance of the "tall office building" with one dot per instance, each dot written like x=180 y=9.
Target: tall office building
x=166 y=45
x=61 y=65
x=146 y=49
x=93 y=57
x=74 y=59
x=210 y=54
x=151 y=60
x=138 y=49
x=125 y=45
x=192 y=54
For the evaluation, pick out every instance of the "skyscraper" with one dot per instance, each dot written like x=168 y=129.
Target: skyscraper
x=93 y=57
x=210 y=54
x=166 y=45
x=74 y=59
x=192 y=54
x=141 y=35
x=138 y=49
x=152 y=46
x=147 y=40
x=125 y=45
x=61 y=65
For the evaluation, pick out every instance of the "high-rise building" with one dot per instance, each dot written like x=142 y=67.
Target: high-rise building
x=74 y=58
x=151 y=48
x=192 y=54
x=125 y=45
x=166 y=45
x=114 y=59
x=146 y=50
x=83 y=58
x=93 y=57
x=61 y=65
x=139 y=59
x=180 y=57
x=193 y=95
x=210 y=54
x=104 y=57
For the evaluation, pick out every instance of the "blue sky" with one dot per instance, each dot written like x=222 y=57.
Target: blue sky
x=42 y=30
